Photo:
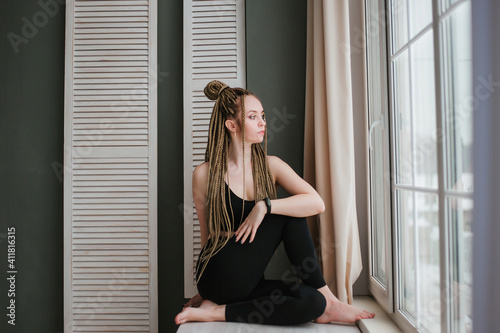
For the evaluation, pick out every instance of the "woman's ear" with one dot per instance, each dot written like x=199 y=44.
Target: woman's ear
x=230 y=125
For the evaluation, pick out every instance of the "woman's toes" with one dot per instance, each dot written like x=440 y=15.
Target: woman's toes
x=181 y=317
x=367 y=315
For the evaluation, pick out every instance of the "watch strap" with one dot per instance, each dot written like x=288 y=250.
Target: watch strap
x=268 y=205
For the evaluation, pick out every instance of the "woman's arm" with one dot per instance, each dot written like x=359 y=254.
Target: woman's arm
x=200 y=177
x=303 y=200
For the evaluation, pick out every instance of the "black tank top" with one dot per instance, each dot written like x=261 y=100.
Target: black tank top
x=237 y=204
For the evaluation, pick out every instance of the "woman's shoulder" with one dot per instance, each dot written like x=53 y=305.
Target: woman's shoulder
x=200 y=173
x=277 y=166
x=275 y=161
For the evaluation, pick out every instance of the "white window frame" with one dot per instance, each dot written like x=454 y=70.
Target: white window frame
x=388 y=298
x=377 y=96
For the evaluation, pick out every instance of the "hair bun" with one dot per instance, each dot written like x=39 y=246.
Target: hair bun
x=213 y=89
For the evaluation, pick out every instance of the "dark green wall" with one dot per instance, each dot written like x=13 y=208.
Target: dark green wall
x=31 y=144
x=276 y=71
x=276 y=58
x=170 y=164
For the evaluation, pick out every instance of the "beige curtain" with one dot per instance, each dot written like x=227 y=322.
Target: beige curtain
x=329 y=143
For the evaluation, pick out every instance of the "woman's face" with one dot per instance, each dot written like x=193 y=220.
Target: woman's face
x=255 y=120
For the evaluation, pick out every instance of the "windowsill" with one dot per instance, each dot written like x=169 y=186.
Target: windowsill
x=381 y=323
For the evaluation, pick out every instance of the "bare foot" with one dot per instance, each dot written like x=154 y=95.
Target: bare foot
x=208 y=311
x=342 y=312
x=339 y=311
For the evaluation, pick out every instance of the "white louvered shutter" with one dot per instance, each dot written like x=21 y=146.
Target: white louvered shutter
x=110 y=174
x=214 y=49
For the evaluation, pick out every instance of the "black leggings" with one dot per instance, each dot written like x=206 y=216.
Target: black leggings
x=235 y=276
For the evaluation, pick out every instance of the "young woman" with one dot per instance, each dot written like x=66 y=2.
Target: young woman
x=242 y=223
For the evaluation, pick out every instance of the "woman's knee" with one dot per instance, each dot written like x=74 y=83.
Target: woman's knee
x=316 y=302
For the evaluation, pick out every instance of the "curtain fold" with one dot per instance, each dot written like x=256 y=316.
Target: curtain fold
x=329 y=144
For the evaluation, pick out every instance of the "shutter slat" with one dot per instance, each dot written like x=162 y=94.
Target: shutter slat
x=96 y=68
x=89 y=247
x=119 y=24
x=111 y=253
x=111 y=316
x=121 y=41
x=109 y=98
x=118 y=6
x=111 y=121
x=85 y=168
x=120 y=93
x=111 y=30
x=118 y=13
x=112 y=3
x=103 y=328
x=101 y=75
x=107 y=306
x=96 y=47
x=100 y=171
x=119 y=19
x=207 y=37
x=91 y=278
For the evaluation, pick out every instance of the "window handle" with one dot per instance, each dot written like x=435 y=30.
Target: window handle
x=379 y=122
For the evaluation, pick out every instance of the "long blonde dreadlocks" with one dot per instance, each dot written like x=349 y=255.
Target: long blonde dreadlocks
x=228 y=101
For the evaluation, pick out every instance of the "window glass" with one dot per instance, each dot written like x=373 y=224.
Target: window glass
x=424 y=112
x=418 y=216
x=402 y=116
x=420 y=15
x=399 y=18
x=458 y=98
x=427 y=249
x=459 y=218
x=407 y=263
x=446 y=4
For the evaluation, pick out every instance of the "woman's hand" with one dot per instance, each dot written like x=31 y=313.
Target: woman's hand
x=252 y=222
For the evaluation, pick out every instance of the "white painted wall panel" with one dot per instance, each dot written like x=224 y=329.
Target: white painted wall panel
x=110 y=175
x=214 y=49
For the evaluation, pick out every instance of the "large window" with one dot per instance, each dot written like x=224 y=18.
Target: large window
x=420 y=114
